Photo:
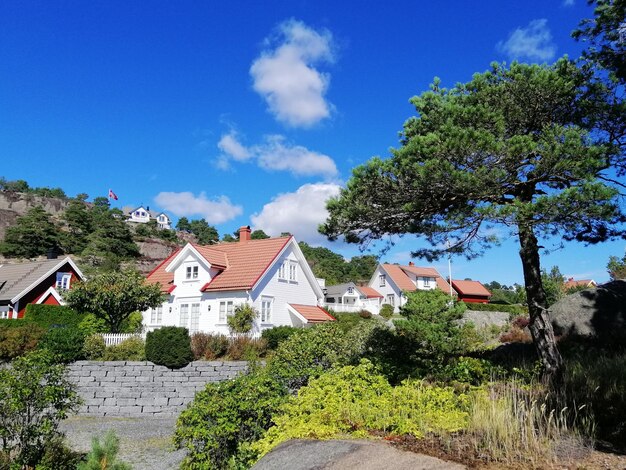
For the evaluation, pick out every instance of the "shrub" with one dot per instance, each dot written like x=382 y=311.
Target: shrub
x=356 y=400
x=365 y=314
x=58 y=456
x=93 y=347
x=169 y=346
x=225 y=417
x=103 y=456
x=278 y=334
x=467 y=370
x=35 y=396
x=16 y=340
x=133 y=324
x=242 y=320
x=243 y=347
x=49 y=316
x=66 y=344
x=90 y=324
x=386 y=311
x=131 y=349
x=516 y=335
x=216 y=347
x=199 y=342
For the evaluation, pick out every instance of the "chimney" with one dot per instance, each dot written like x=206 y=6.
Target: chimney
x=411 y=263
x=244 y=233
x=52 y=253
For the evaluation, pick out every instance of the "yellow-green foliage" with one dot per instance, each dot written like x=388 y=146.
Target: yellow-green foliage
x=354 y=400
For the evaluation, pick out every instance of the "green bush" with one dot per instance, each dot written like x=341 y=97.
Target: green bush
x=365 y=314
x=225 y=418
x=90 y=324
x=133 y=324
x=35 y=395
x=131 y=349
x=349 y=320
x=66 y=344
x=278 y=334
x=216 y=346
x=386 y=311
x=18 y=339
x=512 y=309
x=356 y=401
x=103 y=456
x=467 y=370
x=242 y=320
x=58 y=456
x=93 y=347
x=169 y=346
x=49 y=316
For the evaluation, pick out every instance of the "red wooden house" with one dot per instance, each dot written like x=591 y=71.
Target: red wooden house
x=471 y=292
x=35 y=282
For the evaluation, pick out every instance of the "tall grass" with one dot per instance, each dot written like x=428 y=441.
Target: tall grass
x=513 y=423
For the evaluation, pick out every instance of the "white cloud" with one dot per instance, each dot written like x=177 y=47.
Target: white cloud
x=534 y=42
x=299 y=213
x=568 y=3
x=276 y=154
x=214 y=211
x=285 y=75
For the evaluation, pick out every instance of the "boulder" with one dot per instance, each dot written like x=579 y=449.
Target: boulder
x=598 y=312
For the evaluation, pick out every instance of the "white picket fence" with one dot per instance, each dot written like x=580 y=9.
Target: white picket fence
x=112 y=339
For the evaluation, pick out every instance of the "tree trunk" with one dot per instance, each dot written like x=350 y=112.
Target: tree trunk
x=540 y=326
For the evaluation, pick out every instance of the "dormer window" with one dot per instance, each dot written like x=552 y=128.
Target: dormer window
x=382 y=280
x=63 y=281
x=191 y=273
x=293 y=271
x=350 y=290
x=281 y=271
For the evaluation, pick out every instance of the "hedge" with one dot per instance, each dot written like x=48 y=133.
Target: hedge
x=48 y=316
x=514 y=309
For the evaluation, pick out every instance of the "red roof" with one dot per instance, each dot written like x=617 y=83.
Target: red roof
x=399 y=277
x=570 y=283
x=470 y=288
x=312 y=313
x=369 y=292
x=241 y=264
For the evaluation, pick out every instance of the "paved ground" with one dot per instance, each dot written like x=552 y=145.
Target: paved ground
x=347 y=455
x=145 y=443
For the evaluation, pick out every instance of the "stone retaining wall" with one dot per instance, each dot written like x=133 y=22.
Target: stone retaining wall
x=127 y=388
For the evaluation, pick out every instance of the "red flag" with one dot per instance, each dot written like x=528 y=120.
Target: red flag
x=112 y=195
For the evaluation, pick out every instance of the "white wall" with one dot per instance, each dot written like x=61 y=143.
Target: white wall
x=389 y=288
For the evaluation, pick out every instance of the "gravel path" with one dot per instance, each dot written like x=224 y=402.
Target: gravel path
x=145 y=443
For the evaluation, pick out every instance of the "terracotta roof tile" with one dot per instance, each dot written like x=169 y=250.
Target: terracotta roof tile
x=312 y=313
x=242 y=264
x=400 y=279
x=470 y=288
x=570 y=283
x=369 y=292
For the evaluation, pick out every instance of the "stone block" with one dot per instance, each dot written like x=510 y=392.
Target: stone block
x=103 y=393
x=151 y=409
x=126 y=401
x=127 y=393
x=107 y=378
x=144 y=378
x=176 y=402
x=130 y=410
x=114 y=363
x=214 y=363
x=189 y=393
x=88 y=379
x=109 y=410
x=93 y=401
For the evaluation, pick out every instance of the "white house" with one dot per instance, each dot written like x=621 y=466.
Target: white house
x=391 y=280
x=349 y=297
x=204 y=284
x=143 y=215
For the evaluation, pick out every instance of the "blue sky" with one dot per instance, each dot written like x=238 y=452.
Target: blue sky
x=251 y=112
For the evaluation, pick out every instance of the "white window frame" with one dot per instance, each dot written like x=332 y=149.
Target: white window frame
x=391 y=300
x=194 y=318
x=226 y=309
x=293 y=271
x=350 y=290
x=4 y=314
x=64 y=282
x=191 y=273
x=267 y=306
x=156 y=315
x=382 y=280
x=282 y=270
x=183 y=309
x=426 y=281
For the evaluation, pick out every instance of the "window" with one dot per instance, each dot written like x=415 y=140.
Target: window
x=426 y=282
x=391 y=300
x=184 y=315
x=281 y=271
x=4 y=314
x=226 y=310
x=293 y=271
x=192 y=272
x=195 y=318
x=63 y=281
x=350 y=290
x=382 y=280
x=156 y=315
x=266 y=309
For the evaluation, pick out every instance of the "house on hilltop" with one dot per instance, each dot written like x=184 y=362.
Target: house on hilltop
x=35 y=282
x=471 y=291
x=204 y=284
x=143 y=215
x=572 y=283
x=391 y=280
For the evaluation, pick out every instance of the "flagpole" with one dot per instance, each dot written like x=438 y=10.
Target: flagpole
x=449 y=267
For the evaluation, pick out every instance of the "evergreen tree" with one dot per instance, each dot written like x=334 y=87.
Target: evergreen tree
x=205 y=233
x=183 y=225
x=79 y=223
x=34 y=234
x=259 y=235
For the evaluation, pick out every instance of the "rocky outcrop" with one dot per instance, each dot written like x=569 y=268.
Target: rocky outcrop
x=598 y=312
x=13 y=205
